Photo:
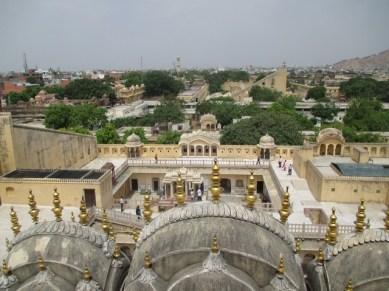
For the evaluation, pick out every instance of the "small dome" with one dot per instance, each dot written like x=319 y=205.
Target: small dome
x=133 y=138
x=330 y=133
x=42 y=92
x=208 y=118
x=266 y=141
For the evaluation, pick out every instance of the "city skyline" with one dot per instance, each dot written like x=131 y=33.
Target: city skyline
x=102 y=35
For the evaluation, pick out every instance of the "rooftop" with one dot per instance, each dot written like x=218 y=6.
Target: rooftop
x=362 y=170
x=54 y=174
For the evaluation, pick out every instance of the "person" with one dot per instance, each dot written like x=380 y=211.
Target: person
x=156 y=158
x=192 y=195
x=137 y=211
x=199 y=195
x=259 y=160
x=290 y=170
x=284 y=166
x=279 y=162
x=121 y=204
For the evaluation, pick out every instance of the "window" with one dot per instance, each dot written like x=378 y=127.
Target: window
x=155 y=182
x=239 y=183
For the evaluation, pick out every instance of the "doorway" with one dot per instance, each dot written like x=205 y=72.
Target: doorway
x=90 y=197
x=134 y=184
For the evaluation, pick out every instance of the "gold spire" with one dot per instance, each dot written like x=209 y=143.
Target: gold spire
x=251 y=198
x=281 y=266
x=111 y=234
x=332 y=228
x=386 y=220
x=180 y=194
x=215 y=245
x=5 y=269
x=73 y=219
x=320 y=257
x=135 y=235
x=116 y=251
x=83 y=213
x=298 y=245
x=104 y=222
x=7 y=244
x=147 y=212
x=34 y=212
x=215 y=189
x=57 y=209
x=349 y=286
x=14 y=221
x=87 y=274
x=284 y=211
x=41 y=264
x=360 y=222
x=147 y=261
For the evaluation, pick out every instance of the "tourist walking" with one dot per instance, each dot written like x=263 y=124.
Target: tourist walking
x=259 y=160
x=290 y=170
x=279 y=162
x=121 y=204
x=156 y=158
x=138 y=212
x=192 y=195
x=199 y=195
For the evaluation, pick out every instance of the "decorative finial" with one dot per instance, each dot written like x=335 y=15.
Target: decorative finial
x=73 y=219
x=180 y=194
x=284 y=211
x=215 y=245
x=116 y=251
x=349 y=286
x=41 y=264
x=332 y=229
x=147 y=261
x=111 y=234
x=57 y=209
x=360 y=222
x=8 y=244
x=215 y=189
x=14 y=221
x=34 y=212
x=251 y=198
x=281 y=266
x=386 y=220
x=5 y=269
x=135 y=235
x=320 y=257
x=87 y=274
x=147 y=212
x=298 y=245
x=104 y=222
x=83 y=213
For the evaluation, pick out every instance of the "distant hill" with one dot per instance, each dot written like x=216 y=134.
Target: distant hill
x=370 y=63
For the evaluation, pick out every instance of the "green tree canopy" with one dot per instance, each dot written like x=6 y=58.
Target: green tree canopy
x=264 y=94
x=317 y=93
x=138 y=131
x=161 y=83
x=216 y=80
x=359 y=87
x=87 y=88
x=169 y=137
x=283 y=127
x=133 y=78
x=325 y=111
x=170 y=111
x=26 y=95
x=107 y=135
x=58 y=116
x=224 y=109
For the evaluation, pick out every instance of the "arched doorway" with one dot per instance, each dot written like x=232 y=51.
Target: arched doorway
x=226 y=185
x=338 y=149
x=265 y=154
x=184 y=150
x=322 y=149
x=330 y=150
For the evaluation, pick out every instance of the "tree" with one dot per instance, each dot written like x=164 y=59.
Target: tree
x=264 y=94
x=224 y=109
x=107 y=135
x=87 y=88
x=88 y=116
x=283 y=127
x=160 y=83
x=138 y=131
x=317 y=93
x=326 y=112
x=58 y=116
x=169 y=137
x=133 y=78
x=168 y=112
x=216 y=80
x=25 y=95
x=359 y=87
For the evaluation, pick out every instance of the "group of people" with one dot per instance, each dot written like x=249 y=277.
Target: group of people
x=283 y=165
x=198 y=195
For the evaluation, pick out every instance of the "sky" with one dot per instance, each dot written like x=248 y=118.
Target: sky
x=117 y=34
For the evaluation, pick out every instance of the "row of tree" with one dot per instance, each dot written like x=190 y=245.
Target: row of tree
x=360 y=87
x=216 y=80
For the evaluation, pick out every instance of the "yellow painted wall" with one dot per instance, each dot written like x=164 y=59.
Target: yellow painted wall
x=7 y=155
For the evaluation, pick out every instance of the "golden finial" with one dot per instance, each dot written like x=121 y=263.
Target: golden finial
x=87 y=274
x=34 y=212
x=83 y=213
x=215 y=245
x=360 y=222
x=386 y=220
x=349 y=286
x=57 y=209
x=14 y=221
x=73 y=219
x=5 y=269
x=180 y=194
x=281 y=266
x=251 y=198
x=111 y=234
x=116 y=251
x=320 y=257
x=135 y=235
x=105 y=223
x=298 y=245
x=284 y=211
x=41 y=264
x=147 y=261
x=7 y=244
x=147 y=212
x=215 y=189
x=332 y=228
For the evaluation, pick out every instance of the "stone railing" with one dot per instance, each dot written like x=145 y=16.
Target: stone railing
x=276 y=181
x=115 y=216
x=315 y=231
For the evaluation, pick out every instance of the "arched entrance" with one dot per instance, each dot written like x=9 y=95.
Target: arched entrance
x=330 y=150
x=226 y=185
x=323 y=149
x=338 y=149
x=265 y=154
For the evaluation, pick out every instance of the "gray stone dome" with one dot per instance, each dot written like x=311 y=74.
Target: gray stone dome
x=133 y=138
x=179 y=243
x=266 y=141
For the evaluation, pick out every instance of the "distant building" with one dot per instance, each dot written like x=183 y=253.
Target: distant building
x=128 y=95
